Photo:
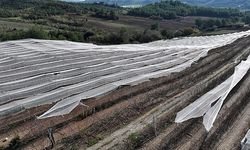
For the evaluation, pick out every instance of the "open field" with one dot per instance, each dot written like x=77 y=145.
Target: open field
x=130 y=22
x=132 y=92
x=17 y=24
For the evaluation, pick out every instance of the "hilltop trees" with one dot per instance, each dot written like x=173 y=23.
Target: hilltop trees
x=155 y=26
x=110 y=15
x=212 y=24
x=172 y=9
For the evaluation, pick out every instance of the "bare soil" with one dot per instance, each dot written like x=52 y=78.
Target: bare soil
x=142 y=116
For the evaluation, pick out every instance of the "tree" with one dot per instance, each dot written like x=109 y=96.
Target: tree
x=113 y=15
x=124 y=35
x=37 y=33
x=167 y=34
x=199 y=23
x=155 y=26
x=188 y=31
x=218 y=23
x=224 y=22
x=178 y=33
x=88 y=34
x=246 y=19
x=150 y=35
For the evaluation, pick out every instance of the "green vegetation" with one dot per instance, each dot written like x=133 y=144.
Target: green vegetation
x=212 y=24
x=244 y=5
x=110 y=24
x=134 y=140
x=94 y=140
x=110 y=15
x=220 y=17
x=173 y=9
x=39 y=33
x=14 y=144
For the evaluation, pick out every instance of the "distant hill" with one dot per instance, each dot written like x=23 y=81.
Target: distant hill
x=242 y=4
x=124 y=2
x=108 y=24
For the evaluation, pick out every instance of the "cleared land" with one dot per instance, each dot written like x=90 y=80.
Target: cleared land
x=133 y=93
x=130 y=22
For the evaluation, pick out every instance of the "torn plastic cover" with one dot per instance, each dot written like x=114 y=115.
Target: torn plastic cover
x=245 y=143
x=67 y=105
x=210 y=103
x=58 y=110
x=66 y=72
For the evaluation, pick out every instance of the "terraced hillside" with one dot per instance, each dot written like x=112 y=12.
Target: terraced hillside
x=65 y=95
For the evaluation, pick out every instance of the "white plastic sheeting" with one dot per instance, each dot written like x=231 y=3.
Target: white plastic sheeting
x=245 y=143
x=210 y=103
x=38 y=72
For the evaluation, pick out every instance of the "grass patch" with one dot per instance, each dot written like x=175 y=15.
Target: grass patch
x=14 y=144
x=134 y=140
x=94 y=140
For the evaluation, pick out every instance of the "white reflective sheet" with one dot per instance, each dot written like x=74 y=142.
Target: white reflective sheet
x=38 y=72
x=203 y=105
x=245 y=142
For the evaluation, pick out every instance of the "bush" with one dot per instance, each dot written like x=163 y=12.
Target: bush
x=135 y=140
x=14 y=143
x=149 y=36
x=156 y=17
x=167 y=34
x=37 y=33
x=178 y=33
x=188 y=31
x=155 y=26
x=110 y=15
x=88 y=34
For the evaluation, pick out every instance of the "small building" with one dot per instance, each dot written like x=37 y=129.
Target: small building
x=245 y=143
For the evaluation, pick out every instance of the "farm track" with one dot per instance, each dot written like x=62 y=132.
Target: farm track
x=134 y=108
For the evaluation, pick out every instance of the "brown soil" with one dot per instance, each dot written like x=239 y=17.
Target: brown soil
x=111 y=119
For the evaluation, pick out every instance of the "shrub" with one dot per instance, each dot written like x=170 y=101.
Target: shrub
x=167 y=34
x=37 y=33
x=135 y=140
x=178 y=33
x=14 y=143
x=188 y=31
x=149 y=36
x=155 y=26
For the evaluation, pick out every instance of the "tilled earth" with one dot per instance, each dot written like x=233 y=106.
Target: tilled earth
x=142 y=116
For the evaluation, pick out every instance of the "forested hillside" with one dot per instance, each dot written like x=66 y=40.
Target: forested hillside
x=241 y=4
x=222 y=17
x=124 y=2
x=110 y=24
x=176 y=8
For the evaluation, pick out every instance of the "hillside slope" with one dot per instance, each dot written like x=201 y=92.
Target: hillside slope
x=242 y=4
x=124 y=2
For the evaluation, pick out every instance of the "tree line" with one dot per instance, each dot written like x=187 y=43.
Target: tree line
x=42 y=9
x=124 y=36
x=173 y=9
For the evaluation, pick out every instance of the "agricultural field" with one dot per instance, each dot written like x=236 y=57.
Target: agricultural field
x=69 y=95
